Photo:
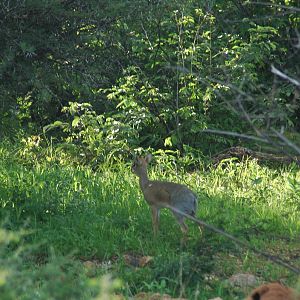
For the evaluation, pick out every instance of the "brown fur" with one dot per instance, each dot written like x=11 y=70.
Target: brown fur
x=273 y=291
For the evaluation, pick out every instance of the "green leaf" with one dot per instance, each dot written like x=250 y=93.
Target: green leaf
x=54 y=125
x=57 y=123
x=75 y=121
x=168 y=142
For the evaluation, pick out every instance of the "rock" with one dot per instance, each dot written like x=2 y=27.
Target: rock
x=89 y=264
x=155 y=296
x=243 y=280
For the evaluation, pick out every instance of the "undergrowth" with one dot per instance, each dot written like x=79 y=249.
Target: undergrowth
x=74 y=214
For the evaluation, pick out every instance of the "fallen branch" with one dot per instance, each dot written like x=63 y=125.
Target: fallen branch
x=241 y=153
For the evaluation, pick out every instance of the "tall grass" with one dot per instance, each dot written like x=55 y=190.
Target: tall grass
x=84 y=214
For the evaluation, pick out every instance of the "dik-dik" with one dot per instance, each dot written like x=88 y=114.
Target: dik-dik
x=158 y=194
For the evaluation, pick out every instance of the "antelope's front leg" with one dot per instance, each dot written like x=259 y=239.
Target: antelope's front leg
x=155 y=219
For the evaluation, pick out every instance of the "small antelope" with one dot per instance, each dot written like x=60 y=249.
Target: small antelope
x=160 y=193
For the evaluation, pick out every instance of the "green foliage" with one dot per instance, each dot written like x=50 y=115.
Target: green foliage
x=164 y=99
x=159 y=72
x=46 y=48
x=179 y=85
x=57 y=278
x=79 y=214
x=85 y=84
x=93 y=138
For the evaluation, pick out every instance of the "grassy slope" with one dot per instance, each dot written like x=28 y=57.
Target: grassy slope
x=102 y=216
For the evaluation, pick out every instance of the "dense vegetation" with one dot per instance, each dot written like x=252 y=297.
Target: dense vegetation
x=116 y=75
x=84 y=85
x=77 y=224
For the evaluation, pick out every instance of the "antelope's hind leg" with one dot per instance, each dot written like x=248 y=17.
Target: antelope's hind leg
x=184 y=228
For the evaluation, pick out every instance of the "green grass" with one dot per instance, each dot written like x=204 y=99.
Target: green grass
x=77 y=213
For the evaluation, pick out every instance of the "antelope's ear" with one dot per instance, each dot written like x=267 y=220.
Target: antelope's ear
x=136 y=161
x=148 y=158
